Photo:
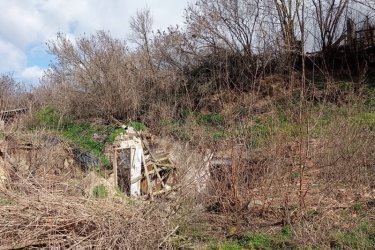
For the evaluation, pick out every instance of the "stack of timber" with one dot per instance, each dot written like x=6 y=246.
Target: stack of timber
x=141 y=168
x=158 y=171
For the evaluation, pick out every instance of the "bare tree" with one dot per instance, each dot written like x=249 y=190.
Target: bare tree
x=12 y=93
x=141 y=25
x=227 y=24
x=227 y=38
x=287 y=12
x=94 y=76
x=330 y=17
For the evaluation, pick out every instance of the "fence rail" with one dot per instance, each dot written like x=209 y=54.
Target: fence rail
x=8 y=115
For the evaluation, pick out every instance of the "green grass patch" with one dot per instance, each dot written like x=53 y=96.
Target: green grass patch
x=193 y=232
x=176 y=129
x=211 y=118
x=5 y=201
x=138 y=126
x=262 y=128
x=85 y=136
x=46 y=117
x=82 y=134
x=345 y=85
x=216 y=135
x=100 y=191
x=357 y=207
x=361 y=237
x=226 y=245
x=198 y=231
x=370 y=98
x=113 y=133
x=351 y=240
x=257 y=240
x=365 y=118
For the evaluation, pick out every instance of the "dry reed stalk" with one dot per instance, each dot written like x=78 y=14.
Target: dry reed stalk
x=45 y=219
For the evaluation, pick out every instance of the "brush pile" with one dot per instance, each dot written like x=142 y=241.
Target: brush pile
x=42 y=209
x=52 y=220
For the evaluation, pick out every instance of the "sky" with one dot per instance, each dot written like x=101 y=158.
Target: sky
x=26 y=25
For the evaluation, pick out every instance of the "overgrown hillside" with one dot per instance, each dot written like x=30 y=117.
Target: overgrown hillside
x=267 y=107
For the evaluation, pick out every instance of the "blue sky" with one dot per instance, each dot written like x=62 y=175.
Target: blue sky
x=26 y=25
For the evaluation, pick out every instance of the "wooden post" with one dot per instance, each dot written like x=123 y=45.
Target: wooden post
x=148 y=179
x=131 y=169
x=115 y=166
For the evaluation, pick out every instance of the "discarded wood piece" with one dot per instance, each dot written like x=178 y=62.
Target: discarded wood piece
x=148 y=180
x=152 y=176
x=8 y=115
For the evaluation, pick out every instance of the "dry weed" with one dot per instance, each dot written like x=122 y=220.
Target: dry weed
x=42 y=206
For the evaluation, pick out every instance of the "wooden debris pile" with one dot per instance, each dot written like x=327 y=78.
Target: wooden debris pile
x=141 y=168
x=159 y=173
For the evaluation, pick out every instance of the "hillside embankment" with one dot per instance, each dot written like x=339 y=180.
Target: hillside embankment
x=265 y=181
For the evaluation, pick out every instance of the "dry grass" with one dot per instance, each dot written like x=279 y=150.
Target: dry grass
x=42 y=208
x=52 y=220
x=263 y=187
x=286 y=182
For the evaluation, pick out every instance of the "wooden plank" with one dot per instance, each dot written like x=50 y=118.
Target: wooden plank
x=165 y=177
x=145 y=143
x=115 y=166
x=164 y=166
x=14 y=111
x=165 y=190
x=161 y=155
x=150 y=172
x=158 y=175
x=137 y=179
x=163 y=159
x=8 y=115
x=148 y=179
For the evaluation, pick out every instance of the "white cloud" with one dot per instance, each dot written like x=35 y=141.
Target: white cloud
x=12 y=58
x=25 y=25
x=33 y=73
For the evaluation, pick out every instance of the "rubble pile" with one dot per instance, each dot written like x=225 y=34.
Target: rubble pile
x=140 y=169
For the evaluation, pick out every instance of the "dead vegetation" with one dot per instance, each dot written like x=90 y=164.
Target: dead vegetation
x=266 y=136
x=51 y=219
x=235 y=187
x=44 y=204
x=260 y=191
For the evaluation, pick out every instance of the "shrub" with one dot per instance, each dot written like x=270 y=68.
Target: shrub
x=212 y=119
x=83 y=135
x=255 y=241
x=46 y=117
x=100 y=191
x=139 y=126
x=113 y=134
